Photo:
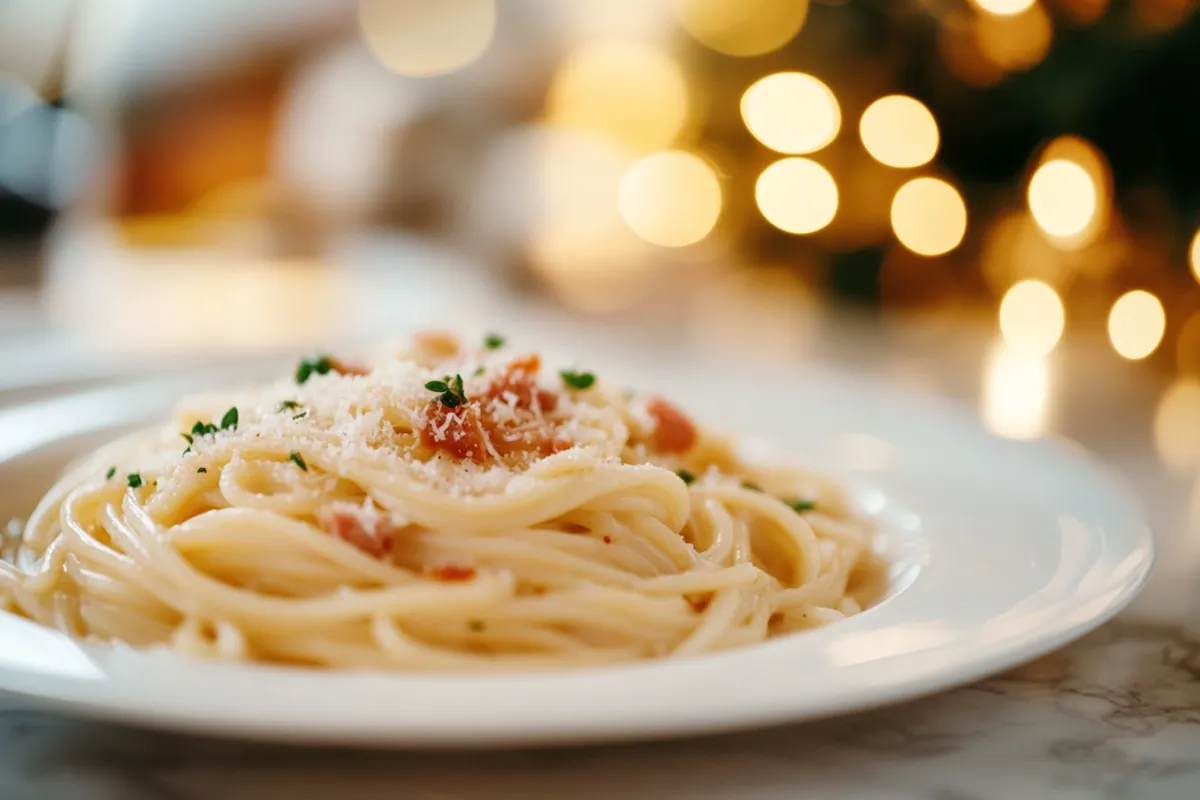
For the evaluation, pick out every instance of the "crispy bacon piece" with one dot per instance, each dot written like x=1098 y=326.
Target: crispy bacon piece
x=433 y=347
x=452 y=572
x=675 y=433
x=344 y=367
x=479 y=429
x=520 y=379
x=365 y=528
x=458 y=432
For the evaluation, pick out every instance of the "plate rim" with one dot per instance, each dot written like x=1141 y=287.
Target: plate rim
x=1063 y=630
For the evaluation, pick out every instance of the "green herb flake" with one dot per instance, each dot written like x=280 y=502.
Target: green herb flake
x=800 y=506
x=202 y=471
x=577 y=380
x=478 y=371
x=288 y=405
x=686 y=477
x=230 y=420
x=301 y=415
x=476 y=626
x=452 y=394
x=298 y=460
x=321 y=365
x=111 y=471
x=134 y=479
x=493 y=341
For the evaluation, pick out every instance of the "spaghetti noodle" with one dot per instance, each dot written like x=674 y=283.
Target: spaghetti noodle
x=445 y=508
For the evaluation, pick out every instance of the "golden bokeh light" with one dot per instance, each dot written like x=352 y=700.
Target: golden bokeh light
x=1177 y=425
x=899 y=131
x=929 y=216
x=1016 y=393
x=1062 y=198
x=797 y=195
x=1194 y=255
x=633 y=93
x=742 y=27
x=420 y=38
x=1031 y=318
x=670 y=198
x=1014 y=42
x=1136 y=324
x=1004 y=7
x=791 y=112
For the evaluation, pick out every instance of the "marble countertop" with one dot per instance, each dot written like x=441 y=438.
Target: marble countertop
x=1115 y=715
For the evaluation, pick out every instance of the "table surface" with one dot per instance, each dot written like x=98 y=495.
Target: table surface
x=1115 y=715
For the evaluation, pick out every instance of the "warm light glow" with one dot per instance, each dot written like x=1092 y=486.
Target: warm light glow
x=929 y=216
x=797 y=195
x=899 y=131
x=420 y=38
x=1177 y=425
x=1194 y=255
x=1062 y=198
x=1136 y=324
x=1031 y=318
x=1016 y=393
x=1004 y=7
x=1014 y=42
x=671 y=198
x=633 y=93
x=791 y=112
x=742 y=27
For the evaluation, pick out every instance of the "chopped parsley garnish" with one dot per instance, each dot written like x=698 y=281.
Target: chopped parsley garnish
x=202 y=470
x=134 y=479
x=752 y=486
x=686 y=476
x=476 y=625
x=288 y=405
x=320 y=365
x=452 y=393
x=202 y=429
x=301 y=415
x=230 y=420
x=577 y=380
x=298 y=460
x=493 y=341
x=478 y=371
x=111 y=471
x=800 y=506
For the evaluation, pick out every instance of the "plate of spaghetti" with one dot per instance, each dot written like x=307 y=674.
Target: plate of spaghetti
x=455 y=542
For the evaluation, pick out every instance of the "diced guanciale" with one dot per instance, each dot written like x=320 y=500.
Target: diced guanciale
x=371 y=532
x=674 y=431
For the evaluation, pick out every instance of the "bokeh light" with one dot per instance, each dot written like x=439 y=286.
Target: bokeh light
x=899 y=131
x=670 y=198
x=742 y=27
x=1031 y=318
x=1062 y=198
x=634 y=93
x=797 y=195
x=1194 y=255
x=1016 y=393
x=1177 y=425
x=1136 y=324
x=1014 y=42
x=791 y=112
x=1004 y=7
x=929 y=216
x=420 y=38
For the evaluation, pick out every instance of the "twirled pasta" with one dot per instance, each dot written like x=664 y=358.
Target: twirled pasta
x=447 y=508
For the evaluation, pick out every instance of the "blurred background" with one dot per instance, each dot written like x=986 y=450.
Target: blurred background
x=998 y=199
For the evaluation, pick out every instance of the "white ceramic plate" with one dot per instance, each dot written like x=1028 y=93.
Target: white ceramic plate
x=1001 y=551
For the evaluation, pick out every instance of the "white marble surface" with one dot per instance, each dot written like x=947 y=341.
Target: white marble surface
x=1116 y=715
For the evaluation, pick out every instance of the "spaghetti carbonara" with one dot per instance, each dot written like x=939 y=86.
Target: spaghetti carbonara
x=445 y=507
